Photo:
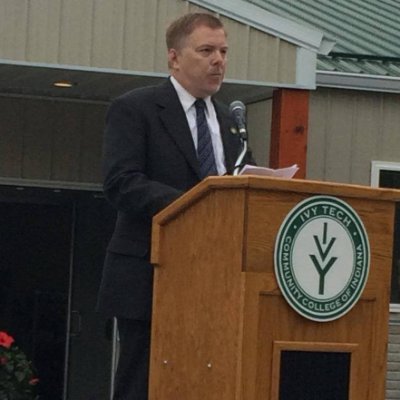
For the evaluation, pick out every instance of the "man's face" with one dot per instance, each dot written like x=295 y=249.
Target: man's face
x=199 y=65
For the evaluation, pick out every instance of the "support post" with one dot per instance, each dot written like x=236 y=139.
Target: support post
x=289 y=129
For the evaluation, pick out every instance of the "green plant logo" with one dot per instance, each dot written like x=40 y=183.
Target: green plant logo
x=322 y=258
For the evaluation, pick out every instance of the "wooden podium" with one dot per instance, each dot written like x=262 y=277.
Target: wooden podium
x=221 y=328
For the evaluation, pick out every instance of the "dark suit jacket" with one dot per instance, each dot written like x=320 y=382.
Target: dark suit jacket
x=149 y=161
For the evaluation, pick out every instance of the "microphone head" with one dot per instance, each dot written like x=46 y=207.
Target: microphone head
x=237 y=105
x=238 y=113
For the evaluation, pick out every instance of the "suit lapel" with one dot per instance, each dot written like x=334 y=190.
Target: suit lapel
x=175 y=122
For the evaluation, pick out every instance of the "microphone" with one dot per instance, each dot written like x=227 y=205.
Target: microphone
x=238 y=113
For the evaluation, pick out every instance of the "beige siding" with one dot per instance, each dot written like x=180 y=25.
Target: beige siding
x=238 y=37
x=13 y=29
x=51 y=140
x=316 y=153
x=390 y=141
x=349 y=129
x=367 y=135
x=166 y=12
x=338 y=139
x=108 y=33
x=259 y=117
x=128 y=35
x=76 y=32
x=138 y=55
x=393 y=365
x=256 y=56
x=43 y=18
x=286 y=63
x=263 y=53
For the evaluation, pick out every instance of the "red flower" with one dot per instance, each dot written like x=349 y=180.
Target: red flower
x=33 y=381
x=6 y=340
x=3 y=360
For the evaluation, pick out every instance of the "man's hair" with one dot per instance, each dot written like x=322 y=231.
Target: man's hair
x=182 y=27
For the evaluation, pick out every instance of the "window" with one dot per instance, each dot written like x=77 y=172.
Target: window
x=387 y=174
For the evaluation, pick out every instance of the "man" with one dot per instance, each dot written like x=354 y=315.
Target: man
x=153 y=152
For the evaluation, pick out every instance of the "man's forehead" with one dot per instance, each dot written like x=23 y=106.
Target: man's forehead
x=207 y=29
x=205 y=33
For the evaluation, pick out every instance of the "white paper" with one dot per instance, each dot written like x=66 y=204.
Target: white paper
x=263 y=171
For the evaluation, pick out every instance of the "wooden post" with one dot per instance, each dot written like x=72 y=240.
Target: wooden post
x=289 y=129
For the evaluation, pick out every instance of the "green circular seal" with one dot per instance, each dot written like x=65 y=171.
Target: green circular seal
x=322 y=258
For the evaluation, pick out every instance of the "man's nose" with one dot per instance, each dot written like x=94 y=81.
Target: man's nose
x=219 y=57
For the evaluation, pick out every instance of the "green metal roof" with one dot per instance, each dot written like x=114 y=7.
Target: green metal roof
x=366 y=32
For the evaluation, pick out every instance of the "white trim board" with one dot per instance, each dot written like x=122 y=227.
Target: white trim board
x=352 y=81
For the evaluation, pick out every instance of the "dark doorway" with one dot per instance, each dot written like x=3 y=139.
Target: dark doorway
x=52 y=245
x=34 y=266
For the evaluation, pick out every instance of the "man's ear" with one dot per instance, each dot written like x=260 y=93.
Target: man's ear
x=173 y=59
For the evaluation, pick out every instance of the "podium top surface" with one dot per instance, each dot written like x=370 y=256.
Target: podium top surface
x=273 y=184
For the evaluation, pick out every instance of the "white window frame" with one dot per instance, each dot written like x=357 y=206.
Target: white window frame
x=376 y=168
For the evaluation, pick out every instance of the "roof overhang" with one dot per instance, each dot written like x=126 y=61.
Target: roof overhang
x=270 y=23
x=100 y=85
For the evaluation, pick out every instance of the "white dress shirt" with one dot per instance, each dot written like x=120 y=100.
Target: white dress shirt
x=187 y=101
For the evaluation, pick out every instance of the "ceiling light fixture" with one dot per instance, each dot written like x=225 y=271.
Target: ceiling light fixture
x=63 y=84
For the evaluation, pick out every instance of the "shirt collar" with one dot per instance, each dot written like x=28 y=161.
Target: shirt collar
x=186 y=99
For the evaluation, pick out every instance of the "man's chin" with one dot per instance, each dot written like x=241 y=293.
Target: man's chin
x=212 y=89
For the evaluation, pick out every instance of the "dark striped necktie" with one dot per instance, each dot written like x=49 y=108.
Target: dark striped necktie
x=205 y=152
